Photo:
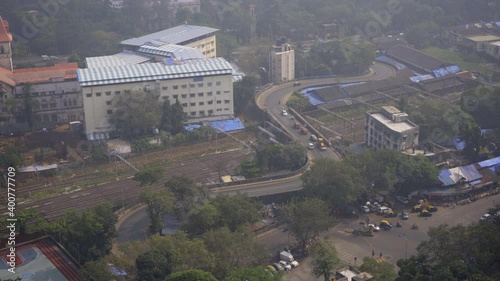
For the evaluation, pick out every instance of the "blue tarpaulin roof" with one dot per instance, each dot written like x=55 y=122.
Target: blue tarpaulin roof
x=191 y=127
x=421 y=77
x=489 y=162
x=391 y=62
x=440 y=72
x=227 y=125
x=310 y=93
x=97 y=136
x=452 y=176
x=453 y=69
x=497 y=23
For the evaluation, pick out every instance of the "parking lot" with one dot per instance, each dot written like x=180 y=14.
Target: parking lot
x=393 y=244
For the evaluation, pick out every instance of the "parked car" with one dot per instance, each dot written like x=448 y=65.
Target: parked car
x=417 y=208
x=375 y=228
x=382 y=210
x=278 y=266
x=390 y=214
x=304 y=131
x=432 y=208
x=53 y=57
x=485 y=217
x=405 y=215
x=296 y=84
x=296 y=125
x=271 y=269
x=294 y=263
x=313 y=138
x=365 y=209
x=425 y=213
x=285 y=265
x=284 y=113
x=385 y=224
x=402 y=199
x=310 y=146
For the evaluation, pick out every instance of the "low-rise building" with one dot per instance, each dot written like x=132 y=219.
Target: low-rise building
x=493 y=49
x=480 y=42
x=390 y=129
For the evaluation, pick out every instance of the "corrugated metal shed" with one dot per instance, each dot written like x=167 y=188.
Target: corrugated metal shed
x=174 y=35
x=452 y=176
x=123 y=58
x=173 y=51
x=489 y=163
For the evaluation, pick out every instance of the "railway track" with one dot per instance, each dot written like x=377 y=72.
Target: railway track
x=201 y=169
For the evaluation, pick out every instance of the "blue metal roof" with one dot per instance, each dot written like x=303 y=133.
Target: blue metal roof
x=419 y=78
x=387 y=60
x=123 y=58
x=468 y=173
x=453 y=69
x=152 y=71
x=489 y=162
x=440 y=72
x=173 y=51
x=174 y=35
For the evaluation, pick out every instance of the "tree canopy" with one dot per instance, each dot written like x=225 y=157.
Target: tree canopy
x=252 y=274
x=191 y=275
x=157 y=203
x=149 y=176
x=324 y=258
x=382 y=271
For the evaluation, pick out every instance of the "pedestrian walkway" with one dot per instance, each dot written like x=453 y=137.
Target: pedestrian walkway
x=382 y=259
x=344 y=255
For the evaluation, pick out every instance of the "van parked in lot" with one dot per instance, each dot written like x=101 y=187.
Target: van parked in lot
x=382 y=210
x=45 y=57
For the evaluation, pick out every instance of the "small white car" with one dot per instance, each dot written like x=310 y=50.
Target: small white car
x=284 y=113
x=485 y=217
x=374 y=227
x=402 y=199
x=310 y=146
x=365 y=209
x=294 y=263
x=285 y=265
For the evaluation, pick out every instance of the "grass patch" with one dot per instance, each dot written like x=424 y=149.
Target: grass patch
x=471 y=62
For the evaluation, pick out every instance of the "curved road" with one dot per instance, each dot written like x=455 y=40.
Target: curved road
x=132 y=228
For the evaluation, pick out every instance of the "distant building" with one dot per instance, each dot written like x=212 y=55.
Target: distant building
x=334 y=30
x=5 y=45
x=479 y=43
x=282 y=62
x=198 y=37
x=175 y=6
x=390 y=129
x=116 y=4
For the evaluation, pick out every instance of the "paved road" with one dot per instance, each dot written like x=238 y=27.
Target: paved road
x=393 y=244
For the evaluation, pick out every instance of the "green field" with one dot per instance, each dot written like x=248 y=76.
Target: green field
x=471 y=62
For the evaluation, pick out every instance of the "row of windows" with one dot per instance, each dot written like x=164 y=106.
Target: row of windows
x=203 y=103
x=99 y=94
x=35 y=94
x=184 y=86
x=192 y=113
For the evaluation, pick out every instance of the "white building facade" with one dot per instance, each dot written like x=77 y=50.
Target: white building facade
x=390 y=129
x=204 y=87
x=282 y=63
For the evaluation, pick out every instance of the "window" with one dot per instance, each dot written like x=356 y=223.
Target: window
x=227 y=101
x=219 y=109
x=109 y=111
x=175 y=87
x=89 y=95
x=164 y=97
x=175 y=96
x=184 y=86
x=108 y=102
x=226 y=92
x=218 y=92
x=192 y=95
x=200 y=85
x=65 y=102
x=184 y=105
x=209 y=94
x=201 y=103
x=192 y=85
x=108 y=93
x=193 y=113
x=210 y=102
x=51 y=92
x=226 y=109
x=200 y=94
x=209 y=84
x=184 y=96
x=197 y=79
x=44 y=104
x=43 y=93
x=164 y=88
x=74 y=102
x=219 y=102
x=97 y=94
x=53 y=104
x=210 y=112
x=192 y=104
x=201 y=112
x=217 y=83
x=117 y=92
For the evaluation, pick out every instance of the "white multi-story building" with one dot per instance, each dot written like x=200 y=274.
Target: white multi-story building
x=282 y=63
x=198 y=37
x=204 y=87
x=390 y=129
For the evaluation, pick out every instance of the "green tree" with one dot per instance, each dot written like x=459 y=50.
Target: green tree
x=201 y=219
x=76 y=58
x=307 y=218
x=29 y=105
x=166 y=116
x=96 y=270
x=136 y=112
x=191 y=275
x=87 y=234
x=10 y=157
x=232 y=250
x=249 y=169
x=336 y=182
x=244 y=91
x=185 y=253
x=30 y=221
x=154 y=265
x=186 y=192
x=381 y=271
x=149 y=176
x=324 y=258
x=177 y=118
x=421 y=35
x=157 y=203
x=235 y=211
x=252 y=274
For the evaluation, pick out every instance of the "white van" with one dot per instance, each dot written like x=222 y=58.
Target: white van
x=382 y=210
x=45 y=57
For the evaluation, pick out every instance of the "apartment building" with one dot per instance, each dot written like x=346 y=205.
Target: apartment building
x=390 y=129
x=282 y=62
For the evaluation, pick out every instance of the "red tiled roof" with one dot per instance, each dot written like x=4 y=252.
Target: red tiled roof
x=45 y=74
x=5 y=36
x=5 y=77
